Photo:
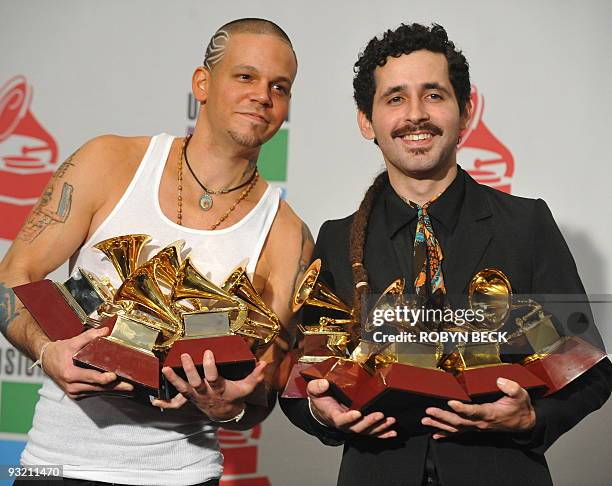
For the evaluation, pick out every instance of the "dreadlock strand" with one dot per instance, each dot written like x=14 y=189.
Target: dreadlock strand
x=357 y=240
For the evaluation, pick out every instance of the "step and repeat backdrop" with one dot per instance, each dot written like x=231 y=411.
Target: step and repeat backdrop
x=71 y=70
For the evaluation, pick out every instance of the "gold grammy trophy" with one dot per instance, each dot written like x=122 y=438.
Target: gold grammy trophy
x=404 y=371
x=63 y=310
x=477 y=365
x=323 y=342
x=384 y=374
x=146 y=324
x=557 y=360
x=165 y=308
x=209 y=324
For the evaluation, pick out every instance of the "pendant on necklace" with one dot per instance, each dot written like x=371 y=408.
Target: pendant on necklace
x=206 y=201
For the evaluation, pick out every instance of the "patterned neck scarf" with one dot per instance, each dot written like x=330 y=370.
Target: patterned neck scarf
x=427 y=257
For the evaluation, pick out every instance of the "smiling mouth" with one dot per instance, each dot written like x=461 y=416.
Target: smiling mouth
x=255 y=117
x=417 y=140
x=415 y=137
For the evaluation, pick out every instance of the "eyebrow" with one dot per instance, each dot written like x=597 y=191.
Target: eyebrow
x=404 y=87
x=253 y=69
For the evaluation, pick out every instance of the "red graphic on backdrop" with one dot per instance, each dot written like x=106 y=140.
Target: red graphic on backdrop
x=481 y=154
x=239 y=450
x=28 y=156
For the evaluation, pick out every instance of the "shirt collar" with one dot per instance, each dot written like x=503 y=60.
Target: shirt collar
x=445 y=209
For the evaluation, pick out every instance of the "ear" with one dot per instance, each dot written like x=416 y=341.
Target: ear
x=365 y=126
x=199 y=83
x=466 y=116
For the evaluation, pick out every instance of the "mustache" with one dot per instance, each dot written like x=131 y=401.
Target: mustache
x=411 y=128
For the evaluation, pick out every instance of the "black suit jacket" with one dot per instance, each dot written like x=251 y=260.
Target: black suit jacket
x=518 y=236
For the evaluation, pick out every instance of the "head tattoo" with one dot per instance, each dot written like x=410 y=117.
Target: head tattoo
x=216 y=48
x=220 y=40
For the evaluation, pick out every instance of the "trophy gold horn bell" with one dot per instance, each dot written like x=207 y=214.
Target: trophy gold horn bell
x=142 y=288
x=311 y=291
x=123 y=252
x=263 y=329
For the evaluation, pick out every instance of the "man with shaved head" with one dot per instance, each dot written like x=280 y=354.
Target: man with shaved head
x=205 y=189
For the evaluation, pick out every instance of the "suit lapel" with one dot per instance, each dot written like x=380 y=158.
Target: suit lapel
x=470 y=240
x=380 y=257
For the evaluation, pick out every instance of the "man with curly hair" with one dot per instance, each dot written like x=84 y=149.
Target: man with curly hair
x=427 y=220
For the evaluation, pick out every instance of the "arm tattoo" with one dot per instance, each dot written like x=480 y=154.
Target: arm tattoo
x=304 y=261
x=42 y=216
x=8 y=307
x=68 y=163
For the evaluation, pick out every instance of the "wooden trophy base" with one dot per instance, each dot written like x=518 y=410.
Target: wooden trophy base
x=398 y=385
x=233 y=358
x=137 y=367
x=345 y=378
x=49 y=308
x=296 y=383
x=481 y=382
x=566 y=363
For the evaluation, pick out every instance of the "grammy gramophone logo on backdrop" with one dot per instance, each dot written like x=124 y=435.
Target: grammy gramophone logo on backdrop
x=28 y=156
x=482 y=154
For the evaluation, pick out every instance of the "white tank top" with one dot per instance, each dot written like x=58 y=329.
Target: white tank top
x=115 y=439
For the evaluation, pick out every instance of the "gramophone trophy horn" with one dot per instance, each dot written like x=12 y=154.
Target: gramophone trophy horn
x=168 y=263
x=265 y=328
x=311 y=291
x=391 y=298
x=490 y=291
x=123 y=252
x=191 y=284
x=142 y=289
x=477 y=364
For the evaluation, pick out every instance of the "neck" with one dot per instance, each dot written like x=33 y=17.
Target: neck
x=421 y=188
x=218 y=163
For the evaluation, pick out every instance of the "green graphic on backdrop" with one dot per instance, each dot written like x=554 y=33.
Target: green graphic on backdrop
x=272 y=161
x=17 y=402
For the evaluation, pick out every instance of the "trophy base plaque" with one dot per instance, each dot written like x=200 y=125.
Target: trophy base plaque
x=49 y=307
x=566 y=362
x=130 y=364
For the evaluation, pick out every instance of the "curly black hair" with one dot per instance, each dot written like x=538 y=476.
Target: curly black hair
x=404 y=40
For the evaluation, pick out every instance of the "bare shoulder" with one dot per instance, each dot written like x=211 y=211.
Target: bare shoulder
x=289 y=246
x=114 y=153
x=103 y=167
x=288 y=230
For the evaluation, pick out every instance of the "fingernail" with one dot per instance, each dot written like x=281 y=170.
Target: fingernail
x=502 y=381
